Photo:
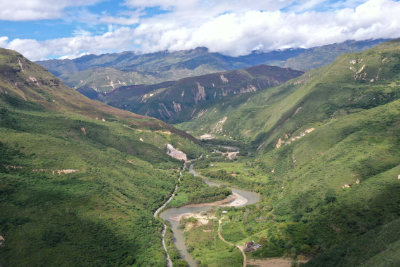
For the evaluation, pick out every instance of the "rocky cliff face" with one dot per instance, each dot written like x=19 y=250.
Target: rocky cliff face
x=187 y=98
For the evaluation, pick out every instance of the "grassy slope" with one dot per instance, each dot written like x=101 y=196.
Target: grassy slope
x=383 y=242
x=192 y=190
x=106 y=79
x=130 y=68
x=209 y=249
x=305 y=210
x=320 y=56
x=100 y=215
x=320 y=95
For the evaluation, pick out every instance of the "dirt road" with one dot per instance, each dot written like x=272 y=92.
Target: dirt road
x=231 y=244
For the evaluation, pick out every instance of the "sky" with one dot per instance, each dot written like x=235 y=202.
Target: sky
x=45 y=29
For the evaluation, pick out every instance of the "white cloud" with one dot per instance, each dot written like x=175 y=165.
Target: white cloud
x=3 y=41
x=118 y=39
x=128 y=17
x=37 y=9
x=30 y=48
x=230 y=27
x=238 y=33
x=307 y=5
x=211 y=6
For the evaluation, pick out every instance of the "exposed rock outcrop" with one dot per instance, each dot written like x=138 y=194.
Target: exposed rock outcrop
x=200 y=94
x=175 y=153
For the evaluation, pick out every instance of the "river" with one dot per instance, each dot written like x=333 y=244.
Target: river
x=245 y=197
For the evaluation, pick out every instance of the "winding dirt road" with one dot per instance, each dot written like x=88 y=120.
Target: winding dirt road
x=169 y=261
x=231 y=244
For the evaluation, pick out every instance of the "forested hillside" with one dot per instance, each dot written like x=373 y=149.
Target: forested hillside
x=323 y=151
x=79 y=180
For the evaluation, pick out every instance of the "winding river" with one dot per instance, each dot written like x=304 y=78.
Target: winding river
x=243 y=198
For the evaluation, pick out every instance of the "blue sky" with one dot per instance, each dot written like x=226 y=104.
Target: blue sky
x=42 y=29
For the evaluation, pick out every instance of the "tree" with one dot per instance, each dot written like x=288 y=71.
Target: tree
x=330 y=196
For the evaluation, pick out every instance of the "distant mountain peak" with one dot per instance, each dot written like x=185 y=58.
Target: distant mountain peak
x=129 y=68
x=201 y=49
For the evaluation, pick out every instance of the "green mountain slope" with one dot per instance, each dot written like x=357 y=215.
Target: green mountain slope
x=382 y=242
x=324 y=153
x=352 y=83
x=322 y=55
x=101 y=80
x=103 y=73
x=187 y=98
x=79 y=180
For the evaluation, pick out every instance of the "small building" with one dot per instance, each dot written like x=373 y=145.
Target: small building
x=251 y=246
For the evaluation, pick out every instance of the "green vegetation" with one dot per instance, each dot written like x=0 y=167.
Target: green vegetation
x=316 y=97
x=382 y=242
x=320 y=56
x=79 y=181
x=104 y=80
x=208 y=249
x=192 y=190
x=303 y=212
x=172 y=250
x=324 y=155
x=97 y=216
x=104 y=73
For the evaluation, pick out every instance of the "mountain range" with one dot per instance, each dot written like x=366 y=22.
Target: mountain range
x=187 y=98
x=104 y=73
x=80 y=180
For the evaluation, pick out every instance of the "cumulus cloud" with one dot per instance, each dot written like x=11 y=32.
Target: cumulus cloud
x=238 y=33
x=20 y=10
x=82 y=43
x=211 y=6
x=231 y=27
x=128 y=17
x=3 y=41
